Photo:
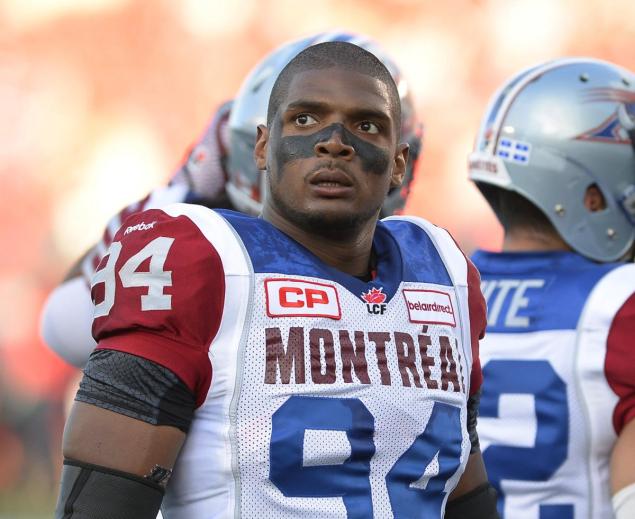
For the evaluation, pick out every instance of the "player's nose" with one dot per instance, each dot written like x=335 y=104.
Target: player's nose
x=334 y=146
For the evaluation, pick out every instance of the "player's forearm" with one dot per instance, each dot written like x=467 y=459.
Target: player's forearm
x=114 y=466
x=101 y=437
x=126 y=428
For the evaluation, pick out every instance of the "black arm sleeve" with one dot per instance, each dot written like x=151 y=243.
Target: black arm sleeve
x=93 y=492
x=136 y=387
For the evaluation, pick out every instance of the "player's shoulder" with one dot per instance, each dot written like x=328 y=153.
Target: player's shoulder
x=173 y=220
x=158 y=259
x=613 y=289
x=401 y=222
x=195 y=229
x=618 y=274
x=423 y=240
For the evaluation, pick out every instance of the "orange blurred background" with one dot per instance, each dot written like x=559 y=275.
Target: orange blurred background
x=99 y=100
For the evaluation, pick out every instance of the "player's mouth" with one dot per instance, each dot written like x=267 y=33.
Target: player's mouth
x=331 y=183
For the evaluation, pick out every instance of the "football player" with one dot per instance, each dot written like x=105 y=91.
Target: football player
x=555 y=160
x=220 y=173
x=314 y=362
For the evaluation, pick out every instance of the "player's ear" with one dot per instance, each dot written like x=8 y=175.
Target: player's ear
x=399 y=169
x=260 y=150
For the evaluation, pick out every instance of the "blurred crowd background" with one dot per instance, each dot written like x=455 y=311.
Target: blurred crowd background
x=99 y=100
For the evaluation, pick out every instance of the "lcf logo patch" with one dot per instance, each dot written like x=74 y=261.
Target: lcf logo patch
x=375 y=301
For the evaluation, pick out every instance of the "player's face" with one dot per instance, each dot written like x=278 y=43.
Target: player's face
x=331 y=153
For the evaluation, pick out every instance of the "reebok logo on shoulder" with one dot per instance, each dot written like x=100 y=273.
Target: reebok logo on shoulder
x=139 y=227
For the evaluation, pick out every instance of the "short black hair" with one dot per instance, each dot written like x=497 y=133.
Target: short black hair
x=514 y=211
x=333 y=54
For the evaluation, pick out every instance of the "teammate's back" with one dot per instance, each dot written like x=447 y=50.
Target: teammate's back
x=555 y=159
x=553 y=366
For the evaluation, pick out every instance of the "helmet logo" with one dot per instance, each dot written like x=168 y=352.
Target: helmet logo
x=514 y=151
x=617 y=126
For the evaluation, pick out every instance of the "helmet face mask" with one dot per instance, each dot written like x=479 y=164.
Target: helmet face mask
x=246 y=184
x=555 y=130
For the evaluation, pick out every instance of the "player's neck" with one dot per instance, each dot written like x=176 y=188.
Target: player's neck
x=350 y=254
x=529 y=240
x=351 y=258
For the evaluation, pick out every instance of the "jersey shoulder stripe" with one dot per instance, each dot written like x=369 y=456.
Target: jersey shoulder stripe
x=434 y=239
x=465 y=277
x=609 y=317
x=607 y=296
x=420 y=249
x=219 y=233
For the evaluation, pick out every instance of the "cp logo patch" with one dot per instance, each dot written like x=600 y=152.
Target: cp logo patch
x=298 y=298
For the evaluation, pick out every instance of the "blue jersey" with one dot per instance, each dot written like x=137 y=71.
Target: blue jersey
x=559 y=380
x=318 y=394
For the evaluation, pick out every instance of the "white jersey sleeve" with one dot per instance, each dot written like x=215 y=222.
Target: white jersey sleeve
x=66 y=321
x=607 y=328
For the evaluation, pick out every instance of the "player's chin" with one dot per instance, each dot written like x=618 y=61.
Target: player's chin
x=337 y=215
x=327 y=191
x=332 y=207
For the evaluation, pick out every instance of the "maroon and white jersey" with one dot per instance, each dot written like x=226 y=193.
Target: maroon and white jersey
x=559 y=368
x=319 y=394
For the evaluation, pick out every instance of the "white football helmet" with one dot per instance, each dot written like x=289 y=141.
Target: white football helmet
x=556 y=129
